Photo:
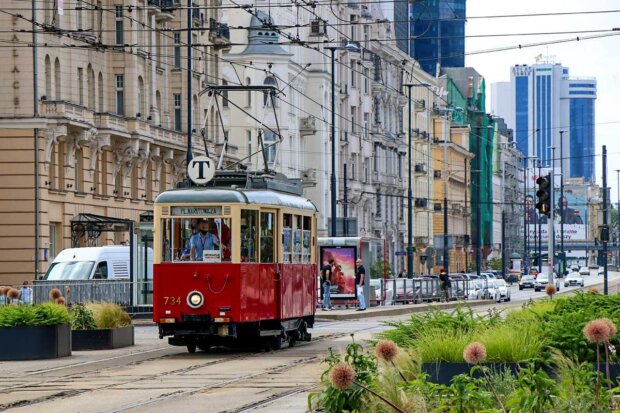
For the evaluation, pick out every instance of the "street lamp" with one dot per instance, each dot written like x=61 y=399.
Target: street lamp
x=350 y=47
x=561 y=200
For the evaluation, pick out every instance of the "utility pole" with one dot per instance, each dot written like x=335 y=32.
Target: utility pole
x=189 y=156
x=540 y=229
x=466 y=160
x=333 y=175
x=604 y=239
x=503 y=201
x=526 y=260
x=446 y=135
x=562 y=212
x=618 y=221
x=345 y=205
x=409 y=194
x=550 y=232
x=478 y=207
x=35 y=85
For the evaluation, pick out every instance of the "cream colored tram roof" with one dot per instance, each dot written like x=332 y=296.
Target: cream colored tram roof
x=234 y=196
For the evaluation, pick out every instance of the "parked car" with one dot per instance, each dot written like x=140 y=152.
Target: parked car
x=593 y=267
x=584 y=271
x=573 y=279
x=477 y=290
x=501 y=291
x=542 y=280
x=527 y=281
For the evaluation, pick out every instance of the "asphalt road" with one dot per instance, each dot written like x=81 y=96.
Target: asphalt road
x=155 y=377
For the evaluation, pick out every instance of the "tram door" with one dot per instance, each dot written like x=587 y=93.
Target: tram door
x=143 y=289
x=270 y=272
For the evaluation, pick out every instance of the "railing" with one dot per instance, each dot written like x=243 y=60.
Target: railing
x=218 y=32
x=417 y=290
x=114 y=291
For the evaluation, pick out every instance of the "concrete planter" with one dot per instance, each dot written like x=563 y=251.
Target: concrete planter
x=35 y=342
x=104 y=339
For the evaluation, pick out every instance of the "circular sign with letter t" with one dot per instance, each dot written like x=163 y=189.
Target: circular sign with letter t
x=201 y=170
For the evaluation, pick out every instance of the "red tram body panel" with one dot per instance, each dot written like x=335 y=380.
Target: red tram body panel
x=234 y=265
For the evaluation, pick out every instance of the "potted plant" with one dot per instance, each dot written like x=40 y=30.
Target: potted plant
x=100 y=326
x=34 y=332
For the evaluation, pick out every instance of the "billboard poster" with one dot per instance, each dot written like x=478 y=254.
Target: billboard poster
x=570 y=210
x=343 y=275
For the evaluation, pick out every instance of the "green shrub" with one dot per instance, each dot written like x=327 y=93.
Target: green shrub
x=82 y=318
x=38 y=315
x=512 y=342
x=109 y=315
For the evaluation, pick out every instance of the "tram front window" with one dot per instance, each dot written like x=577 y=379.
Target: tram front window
x=196 y=239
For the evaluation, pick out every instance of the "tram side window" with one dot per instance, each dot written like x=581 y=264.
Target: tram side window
x=197 y=239
x=249 y=236
x=307 y=239
x=266 y=237
x=297 y=239
x=287 y=237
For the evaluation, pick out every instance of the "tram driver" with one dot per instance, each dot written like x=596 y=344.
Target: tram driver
x=203 y=240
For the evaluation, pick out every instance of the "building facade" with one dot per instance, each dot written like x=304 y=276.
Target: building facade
x=436 y=30
x=546 y=107
x=111 y=128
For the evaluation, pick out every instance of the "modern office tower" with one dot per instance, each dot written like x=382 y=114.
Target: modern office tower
x=543 y=103
x=438 y=29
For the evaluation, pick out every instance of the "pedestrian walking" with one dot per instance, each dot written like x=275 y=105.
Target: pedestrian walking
x=446 y=284
x=326 y=283
x=26 y=293
x=360 y=279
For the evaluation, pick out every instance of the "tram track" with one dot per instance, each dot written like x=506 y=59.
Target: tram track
x=64 y=394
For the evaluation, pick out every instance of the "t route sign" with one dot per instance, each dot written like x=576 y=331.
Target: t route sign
x=201 y=170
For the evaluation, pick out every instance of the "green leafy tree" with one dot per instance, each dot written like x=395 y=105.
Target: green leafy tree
x=495 y=264
x=377 y=269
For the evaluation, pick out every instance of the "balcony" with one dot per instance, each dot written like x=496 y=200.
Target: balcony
x=110 y=121
x=163 y=9
x=219 y=34
x=67 y=110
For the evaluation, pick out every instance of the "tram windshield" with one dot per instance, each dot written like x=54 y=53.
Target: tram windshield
x=196 y=239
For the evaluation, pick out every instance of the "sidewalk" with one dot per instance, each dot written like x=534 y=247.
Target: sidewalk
x=392 y=310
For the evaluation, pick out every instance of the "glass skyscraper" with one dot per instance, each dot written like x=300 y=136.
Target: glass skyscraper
x=438 y=29
x=542 y=103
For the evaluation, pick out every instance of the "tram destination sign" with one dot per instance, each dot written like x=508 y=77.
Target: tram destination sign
x=197 y=211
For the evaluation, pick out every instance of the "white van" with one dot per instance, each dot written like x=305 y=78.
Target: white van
x=92 y=263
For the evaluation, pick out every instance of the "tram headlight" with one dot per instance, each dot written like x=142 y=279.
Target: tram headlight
x=195 y=299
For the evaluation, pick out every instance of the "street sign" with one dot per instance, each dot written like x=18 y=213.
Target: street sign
x=400 y=253
x=201 y=170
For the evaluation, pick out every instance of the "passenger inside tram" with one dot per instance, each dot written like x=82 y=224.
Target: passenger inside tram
x=204 y=242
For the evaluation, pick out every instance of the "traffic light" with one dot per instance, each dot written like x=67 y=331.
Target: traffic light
x=544 y=195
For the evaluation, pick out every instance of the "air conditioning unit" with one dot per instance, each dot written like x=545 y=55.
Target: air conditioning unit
x=420 y=167
x=318 y=27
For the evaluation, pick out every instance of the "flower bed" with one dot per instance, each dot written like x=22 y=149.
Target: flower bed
x=34 y=332
x=100 y=326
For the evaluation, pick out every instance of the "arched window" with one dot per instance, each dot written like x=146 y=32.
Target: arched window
x=141 y=98
x=195 y=114
x=248 y=101
x=90 y=80
x=158 y=103
x=270 y=81
x=48 y=77
x=100 y=92
x=57 y=80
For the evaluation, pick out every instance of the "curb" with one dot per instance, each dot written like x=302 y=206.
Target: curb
x=397 y=310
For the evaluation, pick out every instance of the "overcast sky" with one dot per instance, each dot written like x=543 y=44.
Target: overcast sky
x=597 y=57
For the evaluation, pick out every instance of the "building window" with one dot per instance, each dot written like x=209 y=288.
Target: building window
x=53 y=174
x=148 y=185
x=79 y=14
x=353 y=166
x=100 y=91
x=353 y=119
x=249 y=140
x=269 y=81
x=366 y=168
x=353 y=73
x=134 y=182
x=177 y=111
x=80 y=80
x=90 y=90
x=378 y=205
x=55 y=241
x=177 y=50
x=79 y=170
x=48 y=77
x=57 y=80
x=248 y=101
x=118 y=25
x=366 y=80
x=224 y=94
x=141 y=98
x=120 y=94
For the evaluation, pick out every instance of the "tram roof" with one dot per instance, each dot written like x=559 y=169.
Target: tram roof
x=233 y=196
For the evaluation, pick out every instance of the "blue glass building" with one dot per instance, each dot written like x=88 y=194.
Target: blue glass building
x=439 y=30
x=582 y=95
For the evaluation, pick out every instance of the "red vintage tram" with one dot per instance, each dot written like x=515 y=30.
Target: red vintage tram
x=235 y=262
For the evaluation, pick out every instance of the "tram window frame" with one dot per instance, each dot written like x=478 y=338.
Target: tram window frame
x=297 y=238
x=306 y=252
x=248 y=233
x=264 y=255
x=287 y=238
x=178 y=231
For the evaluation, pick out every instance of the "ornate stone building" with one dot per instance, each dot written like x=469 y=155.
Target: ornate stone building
x=112 y=120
